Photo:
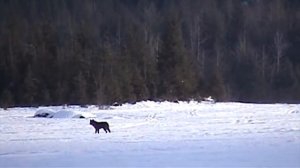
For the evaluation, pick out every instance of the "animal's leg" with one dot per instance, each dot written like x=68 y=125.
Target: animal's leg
x=95 y=131
x=105 y=130
x=108 y=129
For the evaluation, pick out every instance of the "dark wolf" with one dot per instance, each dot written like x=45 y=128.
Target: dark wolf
x=99 y=125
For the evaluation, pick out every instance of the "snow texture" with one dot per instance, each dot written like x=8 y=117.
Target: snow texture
x=153 y=134
x=48 y=113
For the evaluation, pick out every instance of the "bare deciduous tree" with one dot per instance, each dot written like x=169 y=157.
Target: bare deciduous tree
x=280 y=45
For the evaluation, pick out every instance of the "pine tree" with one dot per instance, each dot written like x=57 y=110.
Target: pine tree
x=80 y=89
x=110 y=81
x=176 y=77
x=6 y=99
x=136 y=63
x=30 y=87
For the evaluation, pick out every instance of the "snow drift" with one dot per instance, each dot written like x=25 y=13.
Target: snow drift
x=48 y=113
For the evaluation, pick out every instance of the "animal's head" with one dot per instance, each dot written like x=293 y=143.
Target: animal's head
x=91 y=121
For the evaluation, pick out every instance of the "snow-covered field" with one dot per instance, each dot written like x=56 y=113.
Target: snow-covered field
x=153 y=134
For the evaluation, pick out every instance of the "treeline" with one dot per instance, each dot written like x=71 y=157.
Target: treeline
x=101 y=51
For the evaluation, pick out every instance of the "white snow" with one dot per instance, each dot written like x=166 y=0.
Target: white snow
x=49 y=113
x=153 y=134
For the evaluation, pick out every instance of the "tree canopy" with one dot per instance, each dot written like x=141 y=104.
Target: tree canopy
x=98 y=52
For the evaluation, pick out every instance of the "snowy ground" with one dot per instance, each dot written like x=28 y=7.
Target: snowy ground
x=154 y=134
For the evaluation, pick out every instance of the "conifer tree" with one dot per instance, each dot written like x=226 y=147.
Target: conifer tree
x=174 y=65
x=30 y=88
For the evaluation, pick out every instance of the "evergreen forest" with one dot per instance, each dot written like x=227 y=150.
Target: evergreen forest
x=55 y=52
